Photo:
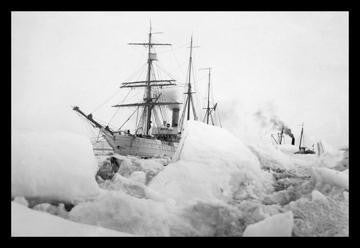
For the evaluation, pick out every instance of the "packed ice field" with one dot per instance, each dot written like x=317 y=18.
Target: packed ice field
x=215 y=185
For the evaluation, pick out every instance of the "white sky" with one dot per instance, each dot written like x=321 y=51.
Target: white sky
x=295 y=61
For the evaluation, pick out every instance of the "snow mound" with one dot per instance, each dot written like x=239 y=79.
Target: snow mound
x=272 y=157
x=138 y=176
x=332 y=160
x=22 y=201
x=332 y=177
x=206 y=143
x=185 y=181
x=56 y=166
x=275 y=226
x=27 y=222
x=129 y=165
x=132 y=188
x=120 y=211
x=286 y=148
x=51 y=209
x=152 y=165
x=320 y=217
x=213 y=219
x=204 y=165
x=316 y=195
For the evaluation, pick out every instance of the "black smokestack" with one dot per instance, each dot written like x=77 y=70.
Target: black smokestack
x=278 y=124
x=288 y=132
x=175 y=116
x=268 y=119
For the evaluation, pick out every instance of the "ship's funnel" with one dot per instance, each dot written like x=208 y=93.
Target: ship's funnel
x=175 y=116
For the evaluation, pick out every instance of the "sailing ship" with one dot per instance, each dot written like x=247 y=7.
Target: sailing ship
x=152 y=137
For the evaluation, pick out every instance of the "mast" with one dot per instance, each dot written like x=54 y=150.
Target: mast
x=148 y=88
x=208 y=109
x=189 y=81
x=148 y=100
x=189 y=100
x=281 y=135
x=208 y=100
x=301 y=135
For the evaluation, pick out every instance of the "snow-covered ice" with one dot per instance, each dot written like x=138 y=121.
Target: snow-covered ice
x=138 y=176
x=53 y=165
x=215 y=185
x=125 y=213
x=276 y=225
x=316 y=195
x=27 y=222
x=320 y=217
x=205 y=165
x=21 y=200
x=324 y=175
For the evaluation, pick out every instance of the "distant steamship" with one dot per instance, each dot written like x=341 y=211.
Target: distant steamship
x=302 y=148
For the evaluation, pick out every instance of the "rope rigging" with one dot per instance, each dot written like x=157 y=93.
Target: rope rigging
x=128 y=118
x=107 y=100
x=180 y=66
x=168 y=74
x=116 y=92
x=118 y=108
x=141 y=69
x=175 y=75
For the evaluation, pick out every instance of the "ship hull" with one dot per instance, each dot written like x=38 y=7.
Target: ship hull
x=142 y=147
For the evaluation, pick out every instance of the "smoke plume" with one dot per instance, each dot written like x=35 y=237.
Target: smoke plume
x=273 y=121
x=171 y=95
